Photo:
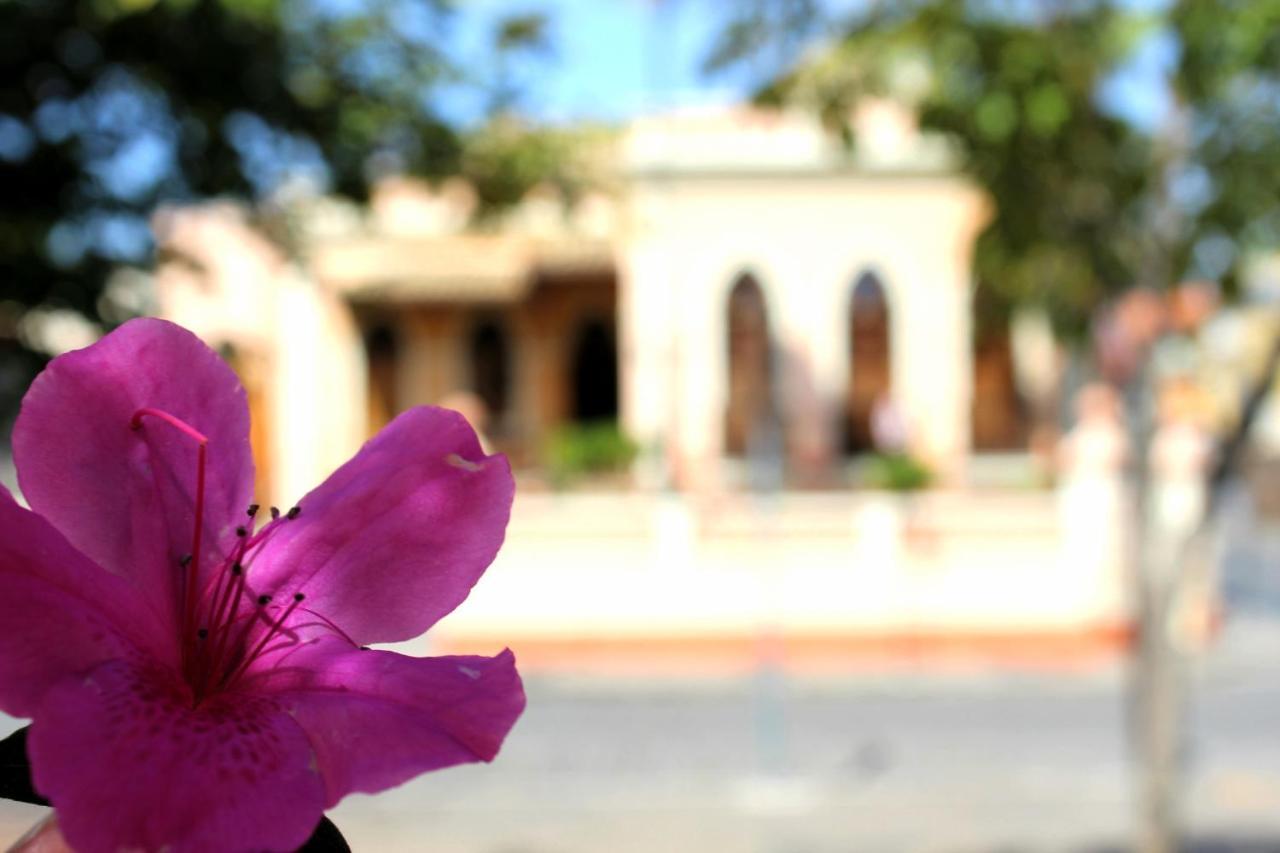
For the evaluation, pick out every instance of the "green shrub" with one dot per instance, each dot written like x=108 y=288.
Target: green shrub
x=897 y=472
x=575 y=450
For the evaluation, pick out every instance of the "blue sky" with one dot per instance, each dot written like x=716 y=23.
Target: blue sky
x=614 y=58
x=617 y=58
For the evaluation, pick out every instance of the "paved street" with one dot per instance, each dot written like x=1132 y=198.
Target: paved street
x=958 y=764
x=912 y=762
x=908 y=763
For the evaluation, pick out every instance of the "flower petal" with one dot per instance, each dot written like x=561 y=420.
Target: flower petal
x=130 y=765
x=125 y=497
x=377 y=719
x=60 y=614
x=396 y=537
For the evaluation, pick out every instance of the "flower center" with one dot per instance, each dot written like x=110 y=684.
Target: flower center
x=224 y=625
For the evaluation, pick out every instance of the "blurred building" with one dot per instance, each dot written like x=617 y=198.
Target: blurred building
x=749 y=288
x=756 y=306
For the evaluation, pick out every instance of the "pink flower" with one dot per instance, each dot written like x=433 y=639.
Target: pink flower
x=199 y=684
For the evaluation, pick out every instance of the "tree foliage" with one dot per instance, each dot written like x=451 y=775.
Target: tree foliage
x=110 y=107
x=1086 y=200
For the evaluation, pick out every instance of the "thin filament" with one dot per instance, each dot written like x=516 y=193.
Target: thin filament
x=266 y=638
x=192 y=571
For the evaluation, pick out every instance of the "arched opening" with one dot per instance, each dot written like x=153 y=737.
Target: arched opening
x=870 y=383
x=1000 y=416
x=382 y=353
x=595 y=373
x=751 y=400
x=491 y=369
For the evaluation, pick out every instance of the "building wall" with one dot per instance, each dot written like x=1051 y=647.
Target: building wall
x=806 y=238
x=295 y=344
x=687 y=233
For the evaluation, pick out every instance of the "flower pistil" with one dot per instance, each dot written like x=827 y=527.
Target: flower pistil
x=218 y=639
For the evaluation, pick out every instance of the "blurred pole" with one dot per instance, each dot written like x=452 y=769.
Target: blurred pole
x=766 y=476
x=655 y=61
x=1157 y=678
x=1158 y=683
x=1164 y=587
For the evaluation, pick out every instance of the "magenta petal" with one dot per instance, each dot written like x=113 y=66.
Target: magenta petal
x=125 y=497
x=377 y=719
x=60 y=615
x=395 y=538
x=130 y=765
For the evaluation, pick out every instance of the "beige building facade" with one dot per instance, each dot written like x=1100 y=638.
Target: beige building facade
x=757 y=309
x=769 y=202
x=748 y=295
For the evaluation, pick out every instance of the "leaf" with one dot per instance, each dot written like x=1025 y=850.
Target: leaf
x=326 y=839
x=15 y=770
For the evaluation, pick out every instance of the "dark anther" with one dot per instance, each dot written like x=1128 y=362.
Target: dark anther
x=297 y=596
x=275 y=513
x=253 y=510
x=241 y=532
x=237 y=569
x=293 y=513
x=184 y=560
x=202 y=633
x=264 y=600
x=364 y=648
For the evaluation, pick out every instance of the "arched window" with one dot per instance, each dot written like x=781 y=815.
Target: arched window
x=1000 y=416
x=869 y=362
x=491 y=368
x=595 y=373
x=751 y=399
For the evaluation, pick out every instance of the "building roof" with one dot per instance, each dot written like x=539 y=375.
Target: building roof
x=452 y=268
x=747 y=140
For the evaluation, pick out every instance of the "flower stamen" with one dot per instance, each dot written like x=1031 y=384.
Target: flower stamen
x=276 y=628
x=220 y=651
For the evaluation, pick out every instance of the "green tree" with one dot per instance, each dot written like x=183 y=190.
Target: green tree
x=1085 y=202
x=110 y=107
